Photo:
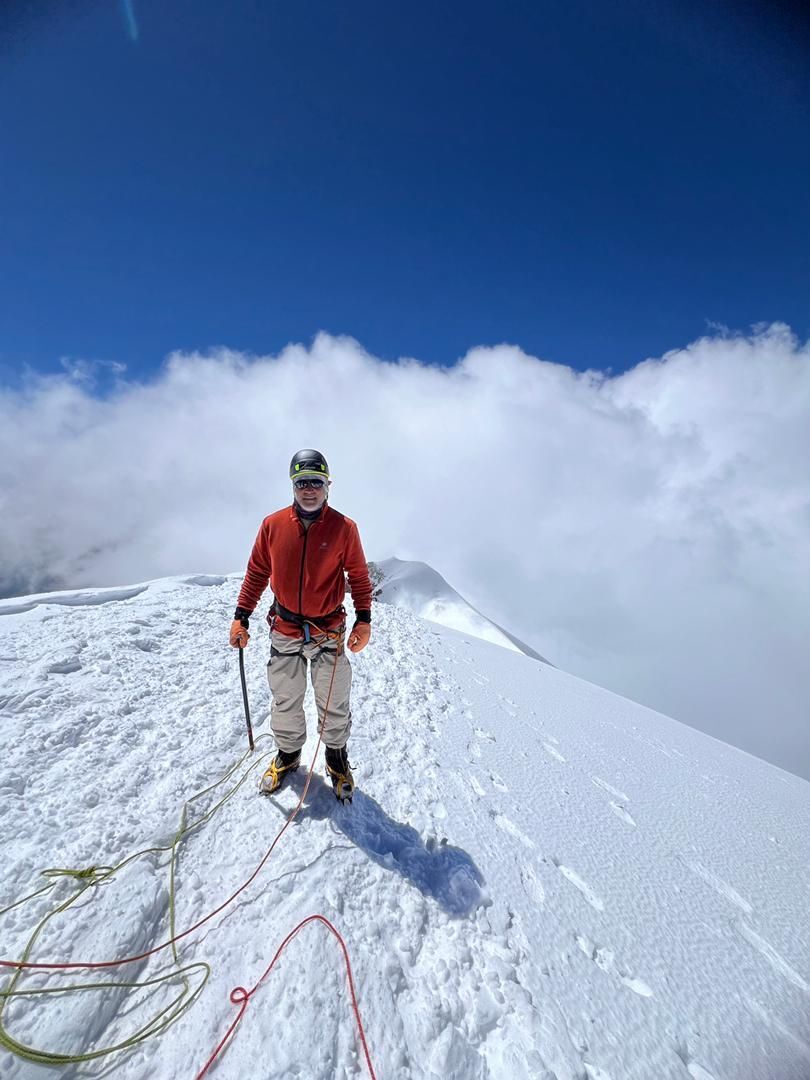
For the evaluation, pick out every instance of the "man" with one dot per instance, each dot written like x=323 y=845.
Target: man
x=303 y=552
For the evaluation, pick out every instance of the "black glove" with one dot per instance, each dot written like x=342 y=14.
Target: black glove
x=243 y=616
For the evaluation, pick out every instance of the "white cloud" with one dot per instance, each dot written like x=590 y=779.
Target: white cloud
x=648 y=531
x=88 y=371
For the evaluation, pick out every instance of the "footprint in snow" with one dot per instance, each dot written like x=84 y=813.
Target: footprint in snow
x=508 y=826
x=593 y=1072
x=762 y=1014
x=605 y=786
x=532 y=885
x=605 y=960
x=497 y=782
x=474 y=784
x=696 y=1071
x=602 y=957
x=579 y=883
x=553 y=752
x=767 y=950
x=620 y=812
x=636 y=985
x=719 y=886
x=474 y=748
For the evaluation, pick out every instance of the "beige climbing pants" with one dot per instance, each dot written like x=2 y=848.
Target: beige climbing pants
x=287 y=675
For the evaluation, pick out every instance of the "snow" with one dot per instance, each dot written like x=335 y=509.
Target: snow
x=418 y=587
x=536 y=879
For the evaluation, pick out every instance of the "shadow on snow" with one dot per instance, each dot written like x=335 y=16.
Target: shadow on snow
x=445 y=873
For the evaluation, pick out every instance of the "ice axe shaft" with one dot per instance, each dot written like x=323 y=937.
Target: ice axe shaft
x=244 y=693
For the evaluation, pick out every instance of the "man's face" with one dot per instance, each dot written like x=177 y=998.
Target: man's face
x=308 y=495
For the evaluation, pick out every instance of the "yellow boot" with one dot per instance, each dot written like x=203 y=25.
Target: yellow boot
x=340 y=773
x=280 y=767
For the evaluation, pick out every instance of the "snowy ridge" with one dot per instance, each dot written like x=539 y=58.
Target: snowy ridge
x=419 y=588
x=564 y=885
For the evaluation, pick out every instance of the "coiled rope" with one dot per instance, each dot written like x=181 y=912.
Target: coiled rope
x=96 y=875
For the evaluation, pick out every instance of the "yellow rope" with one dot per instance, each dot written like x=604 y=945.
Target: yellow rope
x=86 y=878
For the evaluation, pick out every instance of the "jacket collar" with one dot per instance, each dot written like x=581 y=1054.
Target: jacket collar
x=295 y=516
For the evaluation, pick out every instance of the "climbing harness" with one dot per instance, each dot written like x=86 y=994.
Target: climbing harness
x=304 y=622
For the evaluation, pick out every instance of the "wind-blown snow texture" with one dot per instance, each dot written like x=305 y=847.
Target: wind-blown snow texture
x=536 y=879
x=418 y=587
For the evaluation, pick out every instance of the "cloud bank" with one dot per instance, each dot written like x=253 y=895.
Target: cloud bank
x=649 y=531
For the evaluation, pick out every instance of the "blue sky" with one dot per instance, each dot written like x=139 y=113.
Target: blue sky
x=595 y=183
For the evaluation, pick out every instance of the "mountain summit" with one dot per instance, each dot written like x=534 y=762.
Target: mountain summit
x=419 y=588
x=536 y=880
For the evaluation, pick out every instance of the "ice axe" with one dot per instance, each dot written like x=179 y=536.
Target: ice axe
x=244 y=693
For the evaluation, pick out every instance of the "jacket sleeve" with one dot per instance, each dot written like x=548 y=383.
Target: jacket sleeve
x=257 y=574
x=357 y=569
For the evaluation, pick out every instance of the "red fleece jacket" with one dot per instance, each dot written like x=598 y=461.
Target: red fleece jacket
x=305 y=567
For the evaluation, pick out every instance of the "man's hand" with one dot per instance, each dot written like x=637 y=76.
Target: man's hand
x=359 y=636
x=239 y=629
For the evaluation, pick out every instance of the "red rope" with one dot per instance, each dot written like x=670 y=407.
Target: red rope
x=240 y=996
x=206 y=918
x=178 y=937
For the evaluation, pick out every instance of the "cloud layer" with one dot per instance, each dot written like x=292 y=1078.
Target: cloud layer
x=650 y=532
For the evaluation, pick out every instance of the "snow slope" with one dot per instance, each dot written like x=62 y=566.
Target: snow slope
x=419 y=588
x=537 y=878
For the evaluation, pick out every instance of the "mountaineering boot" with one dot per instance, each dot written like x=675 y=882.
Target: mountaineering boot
x=337 y=766
x=281 y=765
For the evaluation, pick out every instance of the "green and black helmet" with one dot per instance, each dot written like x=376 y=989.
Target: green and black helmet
x=309 y=463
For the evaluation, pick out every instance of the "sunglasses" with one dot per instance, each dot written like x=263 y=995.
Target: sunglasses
x=308 y=482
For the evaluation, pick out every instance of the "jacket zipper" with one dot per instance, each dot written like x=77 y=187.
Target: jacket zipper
x=301 y=576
